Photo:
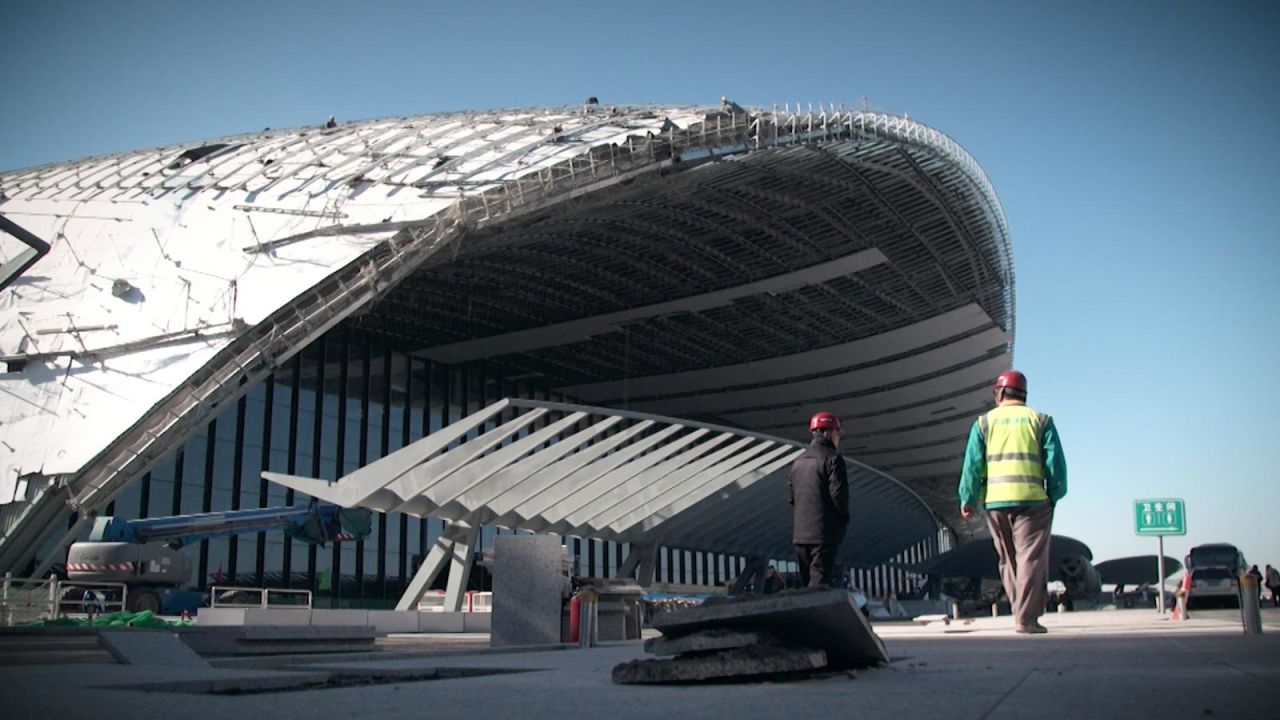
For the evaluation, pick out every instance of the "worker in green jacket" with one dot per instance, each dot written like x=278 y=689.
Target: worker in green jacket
x=1015 y=467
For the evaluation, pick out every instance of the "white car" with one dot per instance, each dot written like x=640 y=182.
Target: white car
x=1215 y=570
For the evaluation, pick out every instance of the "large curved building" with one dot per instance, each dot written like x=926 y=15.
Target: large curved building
x=176 y=321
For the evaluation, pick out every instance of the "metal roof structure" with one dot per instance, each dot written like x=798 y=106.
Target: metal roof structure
x=736 y=267
x=629 y=477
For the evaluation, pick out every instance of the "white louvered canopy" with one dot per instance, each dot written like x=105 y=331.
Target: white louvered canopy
x=622 y=476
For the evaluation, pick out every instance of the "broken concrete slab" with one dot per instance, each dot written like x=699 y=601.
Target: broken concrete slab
x=824 y=619
x=149 y=647
x=709 y=640
x=744 y=662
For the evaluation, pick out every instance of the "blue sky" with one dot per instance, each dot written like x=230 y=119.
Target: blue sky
x=1134 y=146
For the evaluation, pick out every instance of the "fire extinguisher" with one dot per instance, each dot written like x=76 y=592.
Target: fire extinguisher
x=575 y=616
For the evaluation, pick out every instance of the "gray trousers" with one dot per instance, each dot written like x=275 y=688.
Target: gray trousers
x=1021 y=536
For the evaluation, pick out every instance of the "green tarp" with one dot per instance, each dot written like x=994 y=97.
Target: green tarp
x=144 y=619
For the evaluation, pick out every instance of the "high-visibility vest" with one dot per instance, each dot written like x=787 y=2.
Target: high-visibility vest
x=1015 y=468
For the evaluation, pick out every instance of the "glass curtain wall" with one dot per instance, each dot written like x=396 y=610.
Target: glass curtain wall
x=343 y=402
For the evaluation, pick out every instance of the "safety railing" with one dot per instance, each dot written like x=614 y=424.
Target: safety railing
x=222 y=596
x=25 y=600
x=91 y=598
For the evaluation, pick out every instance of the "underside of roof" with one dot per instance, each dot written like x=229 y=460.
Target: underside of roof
x=737 y=267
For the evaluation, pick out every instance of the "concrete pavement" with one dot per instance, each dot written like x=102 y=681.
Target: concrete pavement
x=1105 y=664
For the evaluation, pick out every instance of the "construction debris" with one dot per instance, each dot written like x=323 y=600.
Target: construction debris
x=797 y=631
x=707 y=641
x=739 y=662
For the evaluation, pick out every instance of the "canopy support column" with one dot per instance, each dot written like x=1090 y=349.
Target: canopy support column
x=443 y=551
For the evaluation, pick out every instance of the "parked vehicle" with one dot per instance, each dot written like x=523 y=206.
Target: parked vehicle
x=1215 y=571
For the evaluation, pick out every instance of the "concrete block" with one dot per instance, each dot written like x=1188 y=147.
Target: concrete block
x=286 y=632
x=703 y=641
x=394 y=621
x=149 y=647
x=748 y=662
x=477 y=622
x=441 y=622
x=321 y=618
x=528 y=584
x=823 y=619
x=207 y=617
x=273 y=616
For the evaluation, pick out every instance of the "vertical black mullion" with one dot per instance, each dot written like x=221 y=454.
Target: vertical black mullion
x=671 y=562
x=482 y=398
x=291 y=463
x=464 y=398
x=406 y=434
x=316 y=438
x=386 y=448
x=206 y=502
x=428 y=386
x=604 y=558
x=366 y=389
x=237 y=477
x=179 y=462
x=260 y=558
x=446 y=399
x=340 y=458
x=144 y=497
x=591 y=558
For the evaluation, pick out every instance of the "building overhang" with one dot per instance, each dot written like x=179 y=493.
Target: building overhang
x=738 y=267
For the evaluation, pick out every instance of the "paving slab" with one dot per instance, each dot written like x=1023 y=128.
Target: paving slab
x=1089 y=666
x=149 y=647
x=824 y=619
x=276 y=639
x=738 y=663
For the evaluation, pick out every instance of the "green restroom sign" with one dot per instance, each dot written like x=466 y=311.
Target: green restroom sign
x=1165 y=516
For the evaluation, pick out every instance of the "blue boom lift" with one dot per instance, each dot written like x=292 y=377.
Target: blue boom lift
x=145 y=554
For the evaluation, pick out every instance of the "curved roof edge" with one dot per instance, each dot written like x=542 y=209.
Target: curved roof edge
x=399 y=247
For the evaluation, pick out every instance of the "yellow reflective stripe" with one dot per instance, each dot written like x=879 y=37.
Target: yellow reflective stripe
x=1028 y=479
x=997 y=457
x=1015 y=467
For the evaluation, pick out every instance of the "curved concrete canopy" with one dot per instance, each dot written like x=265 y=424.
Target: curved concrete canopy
x=742 y=267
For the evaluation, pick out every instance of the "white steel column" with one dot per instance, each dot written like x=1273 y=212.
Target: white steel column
x=461 y=560
x=445 y=550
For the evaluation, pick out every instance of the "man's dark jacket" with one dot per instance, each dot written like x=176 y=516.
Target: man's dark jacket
x=818 y=487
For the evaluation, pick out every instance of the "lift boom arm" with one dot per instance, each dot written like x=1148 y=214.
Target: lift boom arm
x=315 y=523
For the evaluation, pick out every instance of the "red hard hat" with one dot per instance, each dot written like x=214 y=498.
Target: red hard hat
x=1011 y=379
x=824 y=421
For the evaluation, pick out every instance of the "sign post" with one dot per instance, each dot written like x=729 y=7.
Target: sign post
x=1160 y=517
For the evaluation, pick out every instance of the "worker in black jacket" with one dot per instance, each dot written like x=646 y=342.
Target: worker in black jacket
x=818 y=490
